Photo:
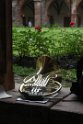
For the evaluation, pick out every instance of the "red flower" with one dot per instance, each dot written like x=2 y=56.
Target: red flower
x=38 y=28
x=72 y=24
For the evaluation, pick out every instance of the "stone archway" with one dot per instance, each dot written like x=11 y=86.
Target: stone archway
x=58 y=13
x=24 y=12
x=27 y=12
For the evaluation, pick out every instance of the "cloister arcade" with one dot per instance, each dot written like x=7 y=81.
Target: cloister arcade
x=52 y=12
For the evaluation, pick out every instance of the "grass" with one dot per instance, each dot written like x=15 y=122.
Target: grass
x=69 y=75
x=23 y=71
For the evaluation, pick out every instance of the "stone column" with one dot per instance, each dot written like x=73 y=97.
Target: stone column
x=74 y=14
x=37 y=7
x=43 y=9
x=19 y=12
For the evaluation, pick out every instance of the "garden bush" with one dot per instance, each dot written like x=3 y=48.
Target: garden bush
x=55 y=42
x=51 y=41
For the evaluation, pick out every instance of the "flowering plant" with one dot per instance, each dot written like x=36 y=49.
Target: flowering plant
x=38 y=28
x=72 y=24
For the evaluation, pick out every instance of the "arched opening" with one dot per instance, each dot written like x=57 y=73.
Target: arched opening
x=58 y=13
x=28 y=18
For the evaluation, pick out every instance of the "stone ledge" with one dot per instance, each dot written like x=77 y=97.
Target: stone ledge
x=69 y=110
